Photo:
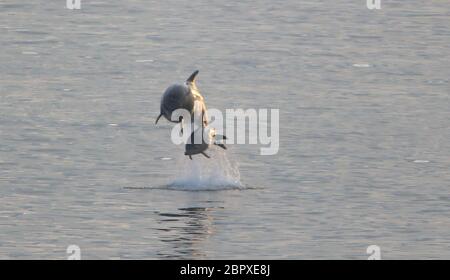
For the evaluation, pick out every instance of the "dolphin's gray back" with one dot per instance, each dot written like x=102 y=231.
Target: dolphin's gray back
x=176 y=97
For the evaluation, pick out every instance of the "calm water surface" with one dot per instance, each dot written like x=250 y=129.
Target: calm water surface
x=364 y=135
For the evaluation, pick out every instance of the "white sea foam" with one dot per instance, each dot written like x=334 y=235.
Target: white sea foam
x=216 y=173
x=421 y=161
x=362 y=65
x=144 y=60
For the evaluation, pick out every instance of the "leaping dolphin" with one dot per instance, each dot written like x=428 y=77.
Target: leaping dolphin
x=188 y=97
x=182 y=97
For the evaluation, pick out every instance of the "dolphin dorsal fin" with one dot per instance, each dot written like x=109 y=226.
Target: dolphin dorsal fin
x=191 y=78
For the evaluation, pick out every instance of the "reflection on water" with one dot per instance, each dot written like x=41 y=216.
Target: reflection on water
x=184 y=231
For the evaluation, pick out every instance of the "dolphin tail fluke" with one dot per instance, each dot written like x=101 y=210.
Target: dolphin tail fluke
x=157 y=119
x=191 y=78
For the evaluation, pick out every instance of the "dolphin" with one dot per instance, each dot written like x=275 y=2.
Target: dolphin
x=185 y=97
x=193 y=148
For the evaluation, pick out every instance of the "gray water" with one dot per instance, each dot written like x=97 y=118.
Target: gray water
x=364 y=129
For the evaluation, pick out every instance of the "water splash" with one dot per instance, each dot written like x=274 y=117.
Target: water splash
x=217 y=173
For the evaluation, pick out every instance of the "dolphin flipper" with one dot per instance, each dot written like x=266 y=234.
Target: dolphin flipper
x=221 y=145
x=203 y=153
x=220 y=138
x=157 y=119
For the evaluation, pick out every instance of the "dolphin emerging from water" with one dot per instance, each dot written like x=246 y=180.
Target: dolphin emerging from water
x=193 y=148
x=182 y=97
